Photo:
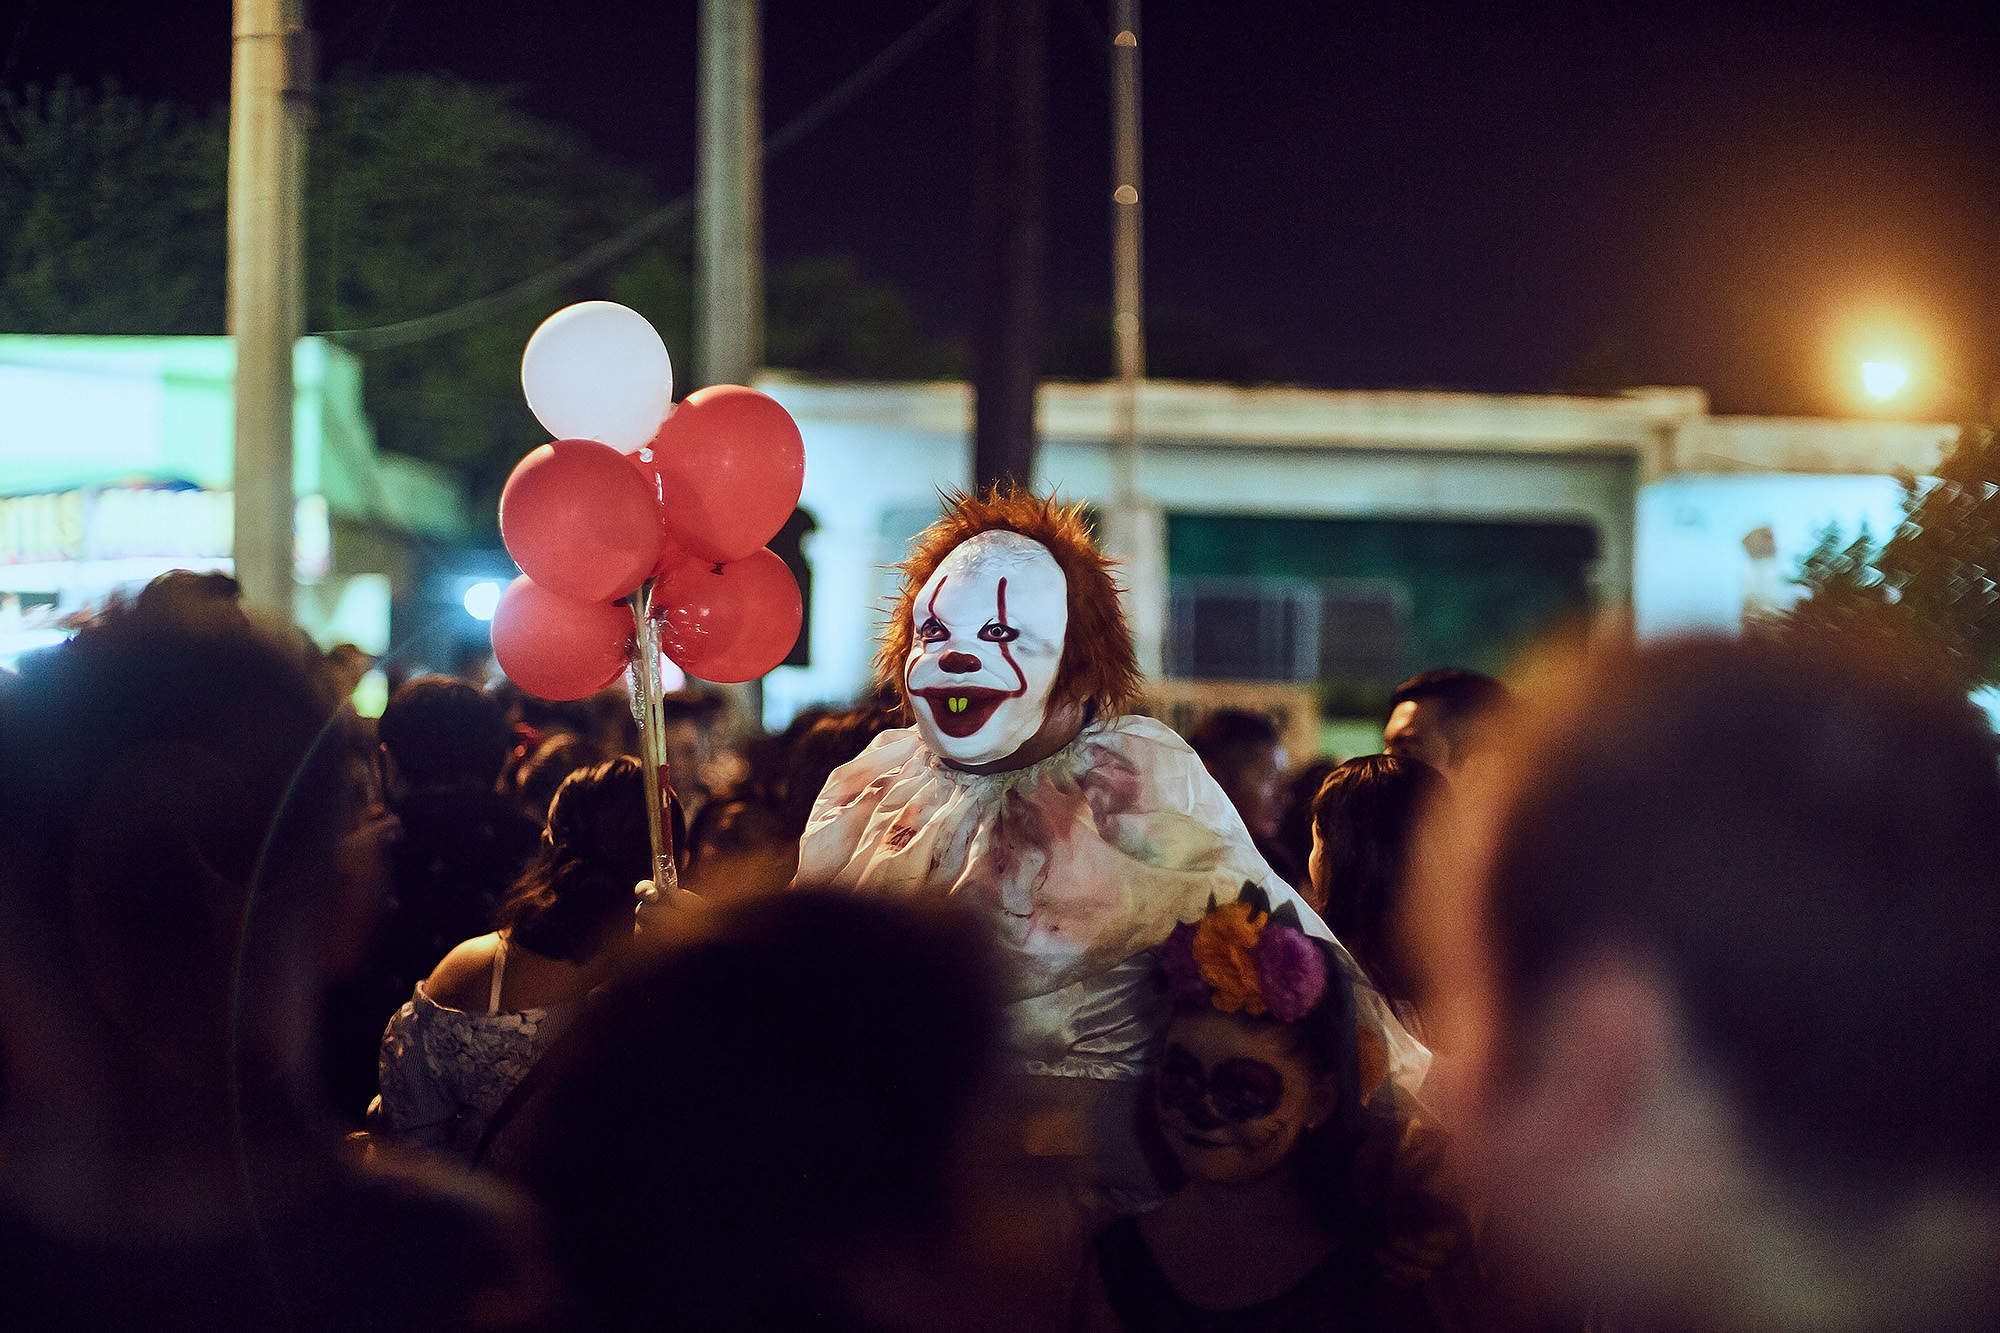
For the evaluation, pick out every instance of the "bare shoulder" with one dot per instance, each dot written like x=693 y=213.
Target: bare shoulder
x=461 y=981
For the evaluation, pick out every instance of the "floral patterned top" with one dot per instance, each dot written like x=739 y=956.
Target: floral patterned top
x=445 y=1072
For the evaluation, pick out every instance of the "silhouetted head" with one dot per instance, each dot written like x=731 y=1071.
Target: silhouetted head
x=1242 y=751
x=575 y=897
x=831 y=741
x=444 y=734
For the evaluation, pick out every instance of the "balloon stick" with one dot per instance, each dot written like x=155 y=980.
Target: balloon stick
x=648 y=708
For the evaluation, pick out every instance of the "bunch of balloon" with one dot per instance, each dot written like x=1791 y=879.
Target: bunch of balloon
x=641 y=529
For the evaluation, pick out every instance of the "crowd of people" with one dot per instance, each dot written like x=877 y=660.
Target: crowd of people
x=308 y=1021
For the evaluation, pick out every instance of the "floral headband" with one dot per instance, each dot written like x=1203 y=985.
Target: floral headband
x=1243 y=958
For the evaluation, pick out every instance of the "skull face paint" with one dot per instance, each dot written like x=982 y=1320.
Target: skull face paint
x=987 y=637
x=1234 y=1096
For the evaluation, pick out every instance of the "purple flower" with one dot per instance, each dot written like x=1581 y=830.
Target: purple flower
x=1291 y=971
x=1184 y=977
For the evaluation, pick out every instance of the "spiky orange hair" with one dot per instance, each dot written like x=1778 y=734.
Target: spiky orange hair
x=1098 y=666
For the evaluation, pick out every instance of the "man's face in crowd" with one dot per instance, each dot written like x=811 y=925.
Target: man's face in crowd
x=1416 y=731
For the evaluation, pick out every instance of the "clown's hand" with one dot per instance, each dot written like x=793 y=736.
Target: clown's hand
x=659 y=911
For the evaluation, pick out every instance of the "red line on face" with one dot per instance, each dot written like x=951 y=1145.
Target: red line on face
x=1018 y=673
x=930 y=609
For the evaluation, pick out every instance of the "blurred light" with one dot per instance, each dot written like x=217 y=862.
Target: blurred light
x=482 y=600
x=1988 y=699
x=16 y=643
x=371 y=696
x=1882 y=378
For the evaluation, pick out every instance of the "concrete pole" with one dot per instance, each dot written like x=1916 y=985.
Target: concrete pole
x=729 y=220
x=1135 y=529
x=269 y=105
x=1008 y=316
x=1128 y=327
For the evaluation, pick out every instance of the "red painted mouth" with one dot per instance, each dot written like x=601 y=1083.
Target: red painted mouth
x=961 y=710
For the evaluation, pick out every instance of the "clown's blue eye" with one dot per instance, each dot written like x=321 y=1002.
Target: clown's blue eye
x=932 y=630
x=995 y=632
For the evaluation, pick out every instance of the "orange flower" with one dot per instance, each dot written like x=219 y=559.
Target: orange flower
x=1222 y=945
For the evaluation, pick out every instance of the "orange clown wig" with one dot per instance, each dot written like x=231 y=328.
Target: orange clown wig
x=1098 y=668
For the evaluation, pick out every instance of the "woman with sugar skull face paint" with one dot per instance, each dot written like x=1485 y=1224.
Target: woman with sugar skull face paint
x=1301 y=1205
x=1086 y=834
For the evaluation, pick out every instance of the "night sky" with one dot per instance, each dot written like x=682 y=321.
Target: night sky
x=1414 y=195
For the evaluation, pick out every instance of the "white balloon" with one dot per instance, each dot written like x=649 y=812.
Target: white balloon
x=598 y=371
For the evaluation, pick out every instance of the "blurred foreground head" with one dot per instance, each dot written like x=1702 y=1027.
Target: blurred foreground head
x=169 y=847
x=789 y=1120
x=1726 y=935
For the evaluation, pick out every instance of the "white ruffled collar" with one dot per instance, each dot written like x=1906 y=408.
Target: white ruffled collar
x=1066 y=762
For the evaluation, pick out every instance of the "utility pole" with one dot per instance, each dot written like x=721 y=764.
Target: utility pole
x=1135 y=530
x=1007 y=335
x=270 y=90
x=1128 y=329
x=729 y=218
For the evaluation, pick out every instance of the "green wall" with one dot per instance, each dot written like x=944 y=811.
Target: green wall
x=1479 y=592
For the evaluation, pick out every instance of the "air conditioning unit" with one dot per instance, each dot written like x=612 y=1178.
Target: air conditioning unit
x=1297 y=630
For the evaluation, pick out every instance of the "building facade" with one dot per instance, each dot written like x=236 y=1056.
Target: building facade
x=1338 y=541
x=116 y=465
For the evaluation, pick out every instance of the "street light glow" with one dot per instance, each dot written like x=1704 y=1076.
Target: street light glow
x=482 y=600
x=1882 y=378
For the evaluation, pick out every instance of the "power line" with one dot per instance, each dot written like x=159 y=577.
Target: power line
x=616 y=247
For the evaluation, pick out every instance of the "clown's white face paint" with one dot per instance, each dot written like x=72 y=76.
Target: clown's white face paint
x=986 y=638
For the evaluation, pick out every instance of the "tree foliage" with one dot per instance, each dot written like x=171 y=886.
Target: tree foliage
x=423 y=192
x=111 y=214
x=1932 y=590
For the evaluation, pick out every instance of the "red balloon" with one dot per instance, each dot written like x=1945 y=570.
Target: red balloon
x=557 y=647
x=730 y=464
x=580 y=521
x=728 y=622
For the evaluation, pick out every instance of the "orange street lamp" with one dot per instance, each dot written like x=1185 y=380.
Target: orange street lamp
x=1881 y=380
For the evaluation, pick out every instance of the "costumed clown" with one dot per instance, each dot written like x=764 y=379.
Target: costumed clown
x=1086 y=832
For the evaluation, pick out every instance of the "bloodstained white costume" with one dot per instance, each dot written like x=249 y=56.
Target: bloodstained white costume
x=1087 y=860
